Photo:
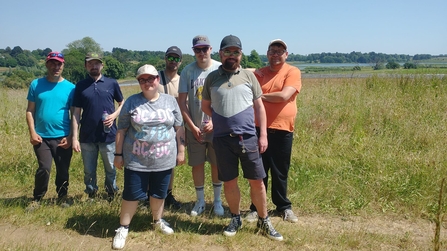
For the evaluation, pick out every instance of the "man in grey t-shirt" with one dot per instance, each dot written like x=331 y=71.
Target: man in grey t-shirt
x=198 y=131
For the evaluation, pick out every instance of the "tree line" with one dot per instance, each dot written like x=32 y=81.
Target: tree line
x=24 y=65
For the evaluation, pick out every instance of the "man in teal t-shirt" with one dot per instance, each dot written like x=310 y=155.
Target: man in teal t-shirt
x=48 y=119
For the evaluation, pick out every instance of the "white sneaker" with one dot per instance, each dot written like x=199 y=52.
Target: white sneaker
x=252 y=216
x=120 y=238
x=198 y=208
x=289 y=216
x=163 y=226
x=218 y=209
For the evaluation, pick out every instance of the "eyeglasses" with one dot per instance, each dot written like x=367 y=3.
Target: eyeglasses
x=231 y=53
x=58 y=55
x=273 y=52
x=203 y=49
x=147 y=80
x=171 y=58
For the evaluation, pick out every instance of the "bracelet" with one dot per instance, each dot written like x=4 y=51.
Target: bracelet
x=118 y=154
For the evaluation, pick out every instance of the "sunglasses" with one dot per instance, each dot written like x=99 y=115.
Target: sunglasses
x=147 y=80
x=171 y=58
x=58 y=55
x=231 y=53
x=198 y=50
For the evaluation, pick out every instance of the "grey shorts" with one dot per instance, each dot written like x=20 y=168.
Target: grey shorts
x=199 y=152
x=232 y=149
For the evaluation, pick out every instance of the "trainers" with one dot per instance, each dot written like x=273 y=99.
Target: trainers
x=233 y=227
x=110 y=197
x=163 y=226
x=198 y=208
x=266 y=227
x=289 y=216
x=64 y=201
x=252 y=216
x=33 y=206
x=92 y=195
x=171 y=202
x=218 y=209
x=120 y=238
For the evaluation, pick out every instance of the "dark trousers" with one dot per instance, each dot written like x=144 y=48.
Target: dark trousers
x=45 y=153
x=276 y=159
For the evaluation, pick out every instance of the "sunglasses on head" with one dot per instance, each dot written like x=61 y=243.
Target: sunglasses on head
x=198 y=50
x=171 y=58
x=58 y=55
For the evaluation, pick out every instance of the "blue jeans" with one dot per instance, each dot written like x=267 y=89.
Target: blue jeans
x=136 y=184
x=89 y=152
x=46 y=152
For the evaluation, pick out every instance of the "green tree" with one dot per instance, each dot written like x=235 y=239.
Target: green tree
x=74 y=69
x=113 y=68
x=16 y=51
x=26 y=60
x=85 y=45
x=392 y=65
x=409 y=65
x=11 y=62
x=254 y=61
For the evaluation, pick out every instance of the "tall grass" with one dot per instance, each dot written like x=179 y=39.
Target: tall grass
x=362 y=147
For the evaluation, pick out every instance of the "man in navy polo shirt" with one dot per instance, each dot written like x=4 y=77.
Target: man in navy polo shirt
x=93 y=96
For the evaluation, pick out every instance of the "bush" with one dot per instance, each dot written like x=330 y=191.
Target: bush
x=410 y=66
x=392 y=65
x=18 y=79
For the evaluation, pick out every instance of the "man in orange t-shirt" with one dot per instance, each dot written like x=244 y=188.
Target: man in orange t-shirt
x=280 y=83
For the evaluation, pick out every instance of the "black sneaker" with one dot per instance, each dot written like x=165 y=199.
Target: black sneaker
x=92 y=195
x=110 y=197
x=64 y=201
x=233 y=227
x=266 y=227
x=171 y=202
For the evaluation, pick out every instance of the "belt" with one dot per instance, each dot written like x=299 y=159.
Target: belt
x=271 y=130
x=234 y=135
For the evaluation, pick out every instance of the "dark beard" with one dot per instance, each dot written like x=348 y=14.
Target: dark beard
x=230 y=66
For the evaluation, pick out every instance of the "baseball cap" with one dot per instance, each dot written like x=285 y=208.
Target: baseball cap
x=230 y=41
x=93 y=55
x=278 y=41
x=200 y=40
x=147 y=69
x=174 y=50
x=56 y=56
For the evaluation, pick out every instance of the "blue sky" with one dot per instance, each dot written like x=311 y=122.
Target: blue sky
x=312 y=26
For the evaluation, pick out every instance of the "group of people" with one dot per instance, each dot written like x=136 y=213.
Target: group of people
x=219 y=112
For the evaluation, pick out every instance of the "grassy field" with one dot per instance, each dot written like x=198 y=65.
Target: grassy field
x=368 y=151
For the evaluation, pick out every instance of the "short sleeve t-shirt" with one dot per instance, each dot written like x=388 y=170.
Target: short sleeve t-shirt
x=149 y=144
x=192 y=80
x=231 y=96
x=52 y=111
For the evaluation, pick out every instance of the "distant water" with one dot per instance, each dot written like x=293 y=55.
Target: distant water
x=345 y=65
x=350 y=65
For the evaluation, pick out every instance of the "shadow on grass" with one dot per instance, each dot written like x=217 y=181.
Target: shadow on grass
x=24 y=201
x=102 y=223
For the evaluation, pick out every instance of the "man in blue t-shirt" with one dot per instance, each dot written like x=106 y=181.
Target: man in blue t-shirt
x=48 y=118
x=93 y=96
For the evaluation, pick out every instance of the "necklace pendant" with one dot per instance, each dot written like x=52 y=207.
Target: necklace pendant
x=229 y=84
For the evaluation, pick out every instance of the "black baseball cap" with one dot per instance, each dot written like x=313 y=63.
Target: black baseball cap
x=230 y=41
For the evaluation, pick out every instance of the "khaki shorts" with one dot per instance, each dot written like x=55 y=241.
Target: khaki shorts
x=199 y=152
